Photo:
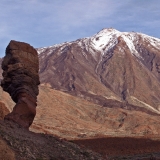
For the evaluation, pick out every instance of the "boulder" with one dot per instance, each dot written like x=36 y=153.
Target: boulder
x=21 y=79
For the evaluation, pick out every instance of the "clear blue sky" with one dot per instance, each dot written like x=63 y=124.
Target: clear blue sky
x=46 y=22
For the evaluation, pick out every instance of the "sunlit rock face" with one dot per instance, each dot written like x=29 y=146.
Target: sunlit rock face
x=20 y=79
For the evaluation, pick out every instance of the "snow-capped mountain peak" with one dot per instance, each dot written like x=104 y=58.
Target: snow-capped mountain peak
x=105 y=40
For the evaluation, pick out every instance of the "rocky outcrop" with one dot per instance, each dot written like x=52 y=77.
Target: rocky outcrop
x=20 y=79
x=1 y=59
x=3 y=110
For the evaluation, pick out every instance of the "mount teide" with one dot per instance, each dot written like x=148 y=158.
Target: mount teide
x=111 y=68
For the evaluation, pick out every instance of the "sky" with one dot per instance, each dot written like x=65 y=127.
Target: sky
x=44 y=23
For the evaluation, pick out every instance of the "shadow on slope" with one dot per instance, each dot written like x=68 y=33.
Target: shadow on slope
x=28 y=145
x=124 y=147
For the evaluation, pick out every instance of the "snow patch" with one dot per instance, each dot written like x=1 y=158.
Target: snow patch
x=145 y=104
x=129 y=41
x=152 y=40
x=105 y=40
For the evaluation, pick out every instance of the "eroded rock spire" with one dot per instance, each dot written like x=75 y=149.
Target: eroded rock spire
x=21 y=79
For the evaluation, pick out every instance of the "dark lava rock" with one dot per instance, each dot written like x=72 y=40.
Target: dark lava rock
x=26 y=145
x=20 y=79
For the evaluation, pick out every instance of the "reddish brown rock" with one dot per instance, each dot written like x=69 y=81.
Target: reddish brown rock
x=20 y=79
x=3 y=110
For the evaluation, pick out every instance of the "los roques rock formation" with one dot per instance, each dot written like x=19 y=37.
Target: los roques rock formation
x=107 y=84
x=21 y=79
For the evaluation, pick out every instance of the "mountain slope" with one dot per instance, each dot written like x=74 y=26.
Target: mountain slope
x=111 y=67
x=71 y=117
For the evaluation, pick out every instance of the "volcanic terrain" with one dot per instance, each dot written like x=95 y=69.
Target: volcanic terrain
x=121 y=69
x=102 y=86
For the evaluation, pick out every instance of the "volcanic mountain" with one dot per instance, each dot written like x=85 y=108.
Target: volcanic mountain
x=111 y=69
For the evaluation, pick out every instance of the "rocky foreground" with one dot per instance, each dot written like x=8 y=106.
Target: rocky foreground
x=17 y=143
x=20 y=144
